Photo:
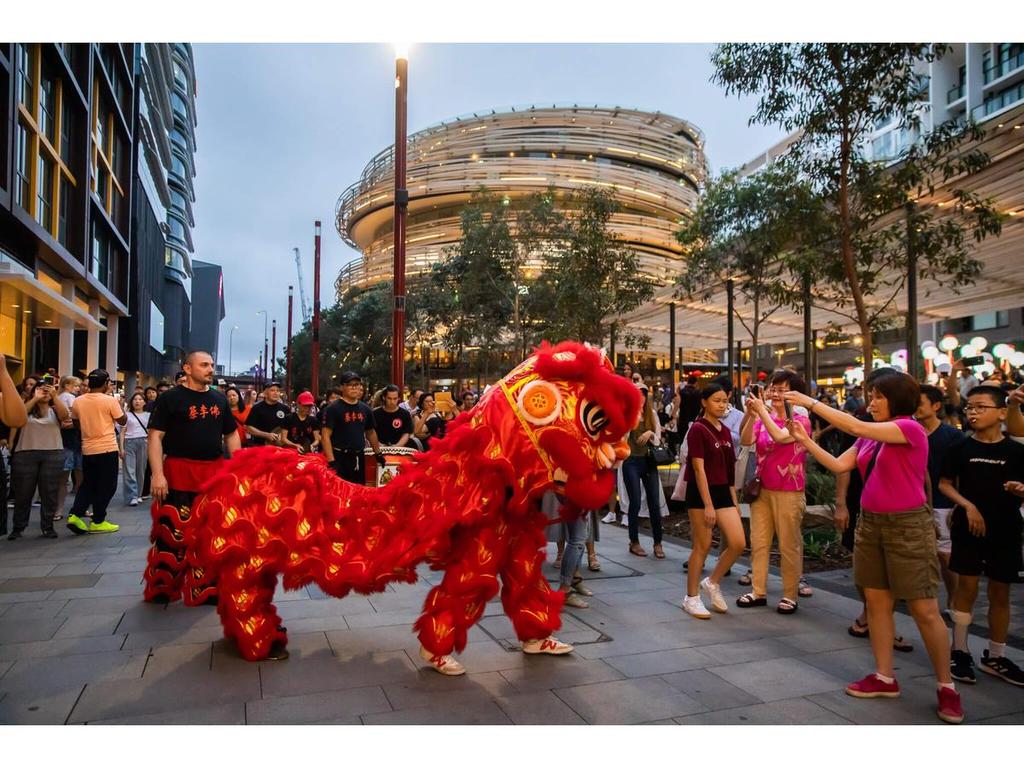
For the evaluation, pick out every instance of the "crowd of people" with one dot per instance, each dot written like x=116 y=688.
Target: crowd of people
x=929 y=488
x=929 y=482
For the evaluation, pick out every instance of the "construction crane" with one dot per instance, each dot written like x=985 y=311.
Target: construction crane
x=306 y=314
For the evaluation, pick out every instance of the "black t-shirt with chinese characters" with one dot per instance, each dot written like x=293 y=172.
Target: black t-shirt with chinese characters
x=392 y=425
x=348 y=422
x=979 y=470
x=302 y=432
x=193 y=423
x=267 y=418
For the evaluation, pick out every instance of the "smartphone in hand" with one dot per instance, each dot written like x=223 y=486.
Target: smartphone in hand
x=789 y=409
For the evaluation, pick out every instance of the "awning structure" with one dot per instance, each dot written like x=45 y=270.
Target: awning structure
x=21 y=293
x=702 y=325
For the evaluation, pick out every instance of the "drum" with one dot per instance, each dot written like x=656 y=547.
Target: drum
x=394 y=457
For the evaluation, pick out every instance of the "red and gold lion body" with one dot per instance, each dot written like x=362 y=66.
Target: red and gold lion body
x=469 y=507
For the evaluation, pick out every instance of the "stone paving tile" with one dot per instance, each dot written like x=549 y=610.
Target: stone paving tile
x=428 y=688
x=332 y=706
x=785 y=712
x=300 y=646
x=23 y=571
x=659 y=662
x=540 y=708
x=640 y=596
x=37 y=707
x=58 y=674
x=683 y=633
x=63 y=647
x=4 y=666
x=232 y=713
x=748 y=650
x=643 y=614
x=122 y=565
x=475 y=713
x=295 y=677
x=403 y=618
x=107 y=585
x=1014 y=719
x=84 y=568
x=775 y=679
x=147 y=617
x=28 y=630
x=46 y=609
x=816 y=641
x=51 y=583
x=851 y=664
x=309 y=609
x=89 y=626
x=542 y=673
x=23 y=597
x=93 y=605
x=710 y=691
x=488 y=656
x=183 y=636
x=628 y=701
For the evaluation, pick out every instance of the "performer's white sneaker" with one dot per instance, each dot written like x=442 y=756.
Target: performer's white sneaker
x=446 y=665
x=549 y=644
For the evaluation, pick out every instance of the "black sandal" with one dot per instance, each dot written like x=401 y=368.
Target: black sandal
x=746 y=579
x=786 y=606
x=899 y=644
x=858 y=630
x=750 y=600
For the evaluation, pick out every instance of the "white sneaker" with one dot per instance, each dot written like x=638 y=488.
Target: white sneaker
x=609 y=518
x=694 y=607
x=713 y=592
x=446 y=665
x=549 y=644
x=133 y=503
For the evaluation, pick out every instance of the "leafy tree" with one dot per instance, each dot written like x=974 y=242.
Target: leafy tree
x=745 y=229
x=592 y=278
x=836 y=95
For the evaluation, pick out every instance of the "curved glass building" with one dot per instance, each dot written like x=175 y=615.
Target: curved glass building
x=653 y=163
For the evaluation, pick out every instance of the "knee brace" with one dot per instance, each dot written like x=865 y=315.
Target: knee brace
x=962 y=618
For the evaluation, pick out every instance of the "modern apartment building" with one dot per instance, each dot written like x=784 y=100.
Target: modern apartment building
x=163 y=161
x=66 y=138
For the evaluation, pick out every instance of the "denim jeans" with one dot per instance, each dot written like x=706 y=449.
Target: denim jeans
x=135 y=461
x=575 y=535
x=637 y=470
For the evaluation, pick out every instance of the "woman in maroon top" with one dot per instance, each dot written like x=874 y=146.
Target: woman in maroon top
x=711 y=501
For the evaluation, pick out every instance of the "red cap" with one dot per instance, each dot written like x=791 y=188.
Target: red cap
x=305 y=399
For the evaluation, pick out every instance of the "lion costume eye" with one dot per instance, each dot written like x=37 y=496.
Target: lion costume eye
x=594 y=420
x=540 y=403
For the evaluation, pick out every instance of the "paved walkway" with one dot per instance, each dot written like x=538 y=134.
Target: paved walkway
x=78 y=645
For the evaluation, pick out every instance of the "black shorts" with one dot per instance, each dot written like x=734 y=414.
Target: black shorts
x=350 y=466
x=997 y=554
x=721 y=497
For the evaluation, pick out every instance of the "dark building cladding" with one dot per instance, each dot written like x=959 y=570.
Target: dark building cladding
x=66 y=136
x=207 y=306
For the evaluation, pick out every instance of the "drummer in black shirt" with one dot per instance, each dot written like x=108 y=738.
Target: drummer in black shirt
x=265 y=423
x=393 y=424
x=348 y=423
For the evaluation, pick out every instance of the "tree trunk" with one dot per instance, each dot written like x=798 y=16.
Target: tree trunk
x=849 y=264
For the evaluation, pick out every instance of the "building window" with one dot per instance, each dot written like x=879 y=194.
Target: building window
x=102 y=256
x=62 y=212
x=106 y=155
x=178 y=200
x=989 y=320
x=42 y=142
x=179 y=74
x=179 y=106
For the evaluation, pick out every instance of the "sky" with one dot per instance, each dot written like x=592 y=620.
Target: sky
x=283 y=130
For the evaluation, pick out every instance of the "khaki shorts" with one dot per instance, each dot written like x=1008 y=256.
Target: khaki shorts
x=897 y=551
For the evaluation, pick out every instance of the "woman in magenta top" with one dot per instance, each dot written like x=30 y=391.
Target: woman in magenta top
x=778 y=510
x=894 y=551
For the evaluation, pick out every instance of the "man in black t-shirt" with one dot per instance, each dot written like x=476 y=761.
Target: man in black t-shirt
x=265 y=423
x=392 y=423
x=348 y=424
x=190 y=425
x=301 y=429
x=984 y=477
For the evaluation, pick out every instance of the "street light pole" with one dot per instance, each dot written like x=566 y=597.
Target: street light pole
x=273 y=349
x=263 y=365
x=288 y=348
x=401 y=208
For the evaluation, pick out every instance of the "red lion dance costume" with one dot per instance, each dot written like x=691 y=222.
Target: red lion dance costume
x=469 y=507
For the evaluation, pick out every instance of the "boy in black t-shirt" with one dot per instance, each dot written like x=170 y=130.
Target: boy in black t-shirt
x=392 y=423
x=265 y=423
x=348 y=424
x=984 y=477
x=301 y=429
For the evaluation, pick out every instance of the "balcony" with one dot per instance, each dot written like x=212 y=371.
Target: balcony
x=1004 y=68
x=955 y=93
x=998 y=103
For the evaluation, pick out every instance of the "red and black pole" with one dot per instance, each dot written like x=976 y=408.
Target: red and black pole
x=288 y=349
x=316 y=312
x=401 y=208
x=273 y=350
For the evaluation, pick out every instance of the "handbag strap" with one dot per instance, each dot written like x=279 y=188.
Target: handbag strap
x=871 y=463
x=144 y=427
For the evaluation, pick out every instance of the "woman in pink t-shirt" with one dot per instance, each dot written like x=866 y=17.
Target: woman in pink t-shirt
x=894 y=551
x=778 y=510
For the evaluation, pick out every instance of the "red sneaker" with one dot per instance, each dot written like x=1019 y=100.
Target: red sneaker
x=950 y=709
x=872 y=688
